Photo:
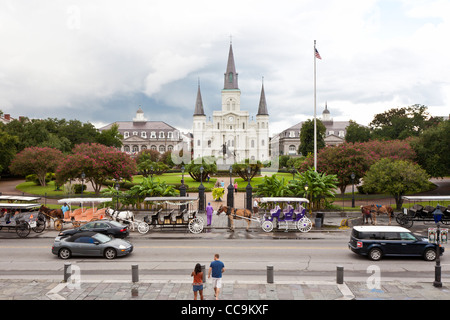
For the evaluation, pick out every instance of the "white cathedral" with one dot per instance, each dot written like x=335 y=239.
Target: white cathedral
x=231 y=137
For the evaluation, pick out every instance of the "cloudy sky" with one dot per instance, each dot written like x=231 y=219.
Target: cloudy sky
x=98 y=61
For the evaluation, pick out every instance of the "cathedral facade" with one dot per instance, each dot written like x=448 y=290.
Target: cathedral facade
x=230 y=135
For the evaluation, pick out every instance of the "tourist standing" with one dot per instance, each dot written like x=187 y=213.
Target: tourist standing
x=216 y=268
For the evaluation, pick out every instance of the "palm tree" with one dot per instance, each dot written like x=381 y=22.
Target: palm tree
x=319 y=187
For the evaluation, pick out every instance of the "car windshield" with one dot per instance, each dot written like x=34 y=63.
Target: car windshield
x=101 y=237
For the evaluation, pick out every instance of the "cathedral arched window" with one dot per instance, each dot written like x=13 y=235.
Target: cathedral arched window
x=230 y=77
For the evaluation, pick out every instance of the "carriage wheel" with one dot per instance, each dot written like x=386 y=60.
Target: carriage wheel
x=267 y=226
x=23 y=229
x=405 y=222
x=399 y=217
x=40 y=226
x=304 y=224
x=58 y=224
x=143 y=227
x=196 y=225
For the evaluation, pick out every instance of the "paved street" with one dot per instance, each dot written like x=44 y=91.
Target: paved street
x=234 y=288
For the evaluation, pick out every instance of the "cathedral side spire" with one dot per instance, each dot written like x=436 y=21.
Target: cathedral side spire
x=262 y=109
x=199 y=103
x=230 y=76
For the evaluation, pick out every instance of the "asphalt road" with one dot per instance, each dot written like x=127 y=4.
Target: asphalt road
x=170 y=259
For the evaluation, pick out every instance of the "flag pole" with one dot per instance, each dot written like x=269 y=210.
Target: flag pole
x=315 y=125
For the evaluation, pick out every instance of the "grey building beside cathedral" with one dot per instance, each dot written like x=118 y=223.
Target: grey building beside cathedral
x=288 y=141
x=141 y=134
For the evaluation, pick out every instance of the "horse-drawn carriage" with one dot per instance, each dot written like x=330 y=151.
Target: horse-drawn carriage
x=425 y=213
x=285 y=213
x=22 y=217
x=174 y=212
x=77 y=216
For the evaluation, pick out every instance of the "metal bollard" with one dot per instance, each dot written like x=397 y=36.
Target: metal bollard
x=204 y=273
x=339 y=275
x=67 y=271
x=134 y=273
x=269 y=274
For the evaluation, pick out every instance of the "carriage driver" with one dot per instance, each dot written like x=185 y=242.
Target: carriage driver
x=64 y=208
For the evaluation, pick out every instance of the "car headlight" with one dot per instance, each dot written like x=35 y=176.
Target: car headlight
x=122 y=247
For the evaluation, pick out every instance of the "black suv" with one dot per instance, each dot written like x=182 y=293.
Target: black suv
x=378 y=241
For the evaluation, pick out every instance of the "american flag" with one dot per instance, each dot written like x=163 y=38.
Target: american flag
x=317 y=54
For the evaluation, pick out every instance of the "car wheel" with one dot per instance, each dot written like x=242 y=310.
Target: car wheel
x=429 y=254
x=64 y=253
x=110 y=253
x=375 y=254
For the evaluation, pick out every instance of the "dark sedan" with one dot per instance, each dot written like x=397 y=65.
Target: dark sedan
x=107 y=227
x=90 y=244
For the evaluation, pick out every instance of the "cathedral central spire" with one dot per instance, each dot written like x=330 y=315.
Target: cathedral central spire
x=230 y=76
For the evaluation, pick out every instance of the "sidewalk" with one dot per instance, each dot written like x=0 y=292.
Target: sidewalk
x=231 y=290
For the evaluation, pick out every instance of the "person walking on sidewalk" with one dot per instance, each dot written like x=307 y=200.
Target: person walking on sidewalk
x=197 y=283
x=216 y=268
x=209 y=213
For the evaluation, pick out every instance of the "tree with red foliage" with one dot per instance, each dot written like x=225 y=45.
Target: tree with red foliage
x=348 y=158
x=35 y=160
x=98 y=162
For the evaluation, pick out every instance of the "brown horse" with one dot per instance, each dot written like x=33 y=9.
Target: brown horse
x=238 y=214
x=51 y=213
x=371 y=211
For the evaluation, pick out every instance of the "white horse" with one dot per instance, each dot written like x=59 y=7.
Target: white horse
x=120 y=216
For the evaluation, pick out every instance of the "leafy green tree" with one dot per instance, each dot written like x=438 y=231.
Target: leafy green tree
x=396 y=177
x=148 y=167
x=241 y=169
x=110 y=137
x=307 y=136
x=357 y=133
x=401 y=123
x=8 y=149
x=209 y=167
x=432 y=148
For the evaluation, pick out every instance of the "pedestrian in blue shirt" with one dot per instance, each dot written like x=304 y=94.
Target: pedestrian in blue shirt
x=216 y=268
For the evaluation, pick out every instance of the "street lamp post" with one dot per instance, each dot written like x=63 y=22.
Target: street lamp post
x=201 y=193
x=117 y=190
x=437 y=269
x=248 y=190
x=230 y=196
x=306 y=191
x=82 y=182
x=182 y=187
x=353 y=189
